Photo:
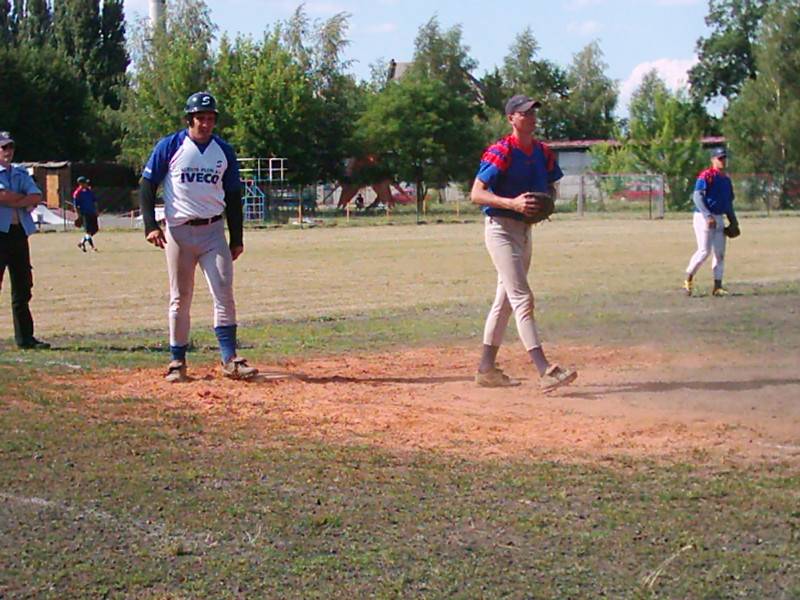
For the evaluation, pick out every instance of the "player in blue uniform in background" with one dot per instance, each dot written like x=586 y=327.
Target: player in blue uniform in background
x=85 y=202
x=713 y=199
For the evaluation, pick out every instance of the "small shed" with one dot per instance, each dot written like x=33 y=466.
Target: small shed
x=113 y=183
x=55 y=181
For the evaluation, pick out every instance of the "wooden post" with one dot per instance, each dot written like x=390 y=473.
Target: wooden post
x=300 y=208
x=581 y=197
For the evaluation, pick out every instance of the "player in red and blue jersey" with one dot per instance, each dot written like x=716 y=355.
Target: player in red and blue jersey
x=713 y=198
x=511 y=170
x=85 y=202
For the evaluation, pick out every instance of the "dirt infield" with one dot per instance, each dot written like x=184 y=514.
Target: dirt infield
x=633 y=402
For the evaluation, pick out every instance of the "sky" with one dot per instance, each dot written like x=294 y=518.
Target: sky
x=634 y=35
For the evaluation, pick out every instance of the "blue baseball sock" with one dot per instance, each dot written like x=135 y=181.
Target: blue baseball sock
x=178 y=352
x=226 y=336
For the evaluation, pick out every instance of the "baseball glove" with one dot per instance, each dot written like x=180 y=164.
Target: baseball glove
x=732 y=231
x=545 y=205
x=79 y=221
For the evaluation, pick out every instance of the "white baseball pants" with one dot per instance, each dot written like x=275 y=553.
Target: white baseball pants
x=709 y=241
x=509 y=244
x=187 y=246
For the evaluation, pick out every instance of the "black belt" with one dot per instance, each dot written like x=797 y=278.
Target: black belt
x=196 y=222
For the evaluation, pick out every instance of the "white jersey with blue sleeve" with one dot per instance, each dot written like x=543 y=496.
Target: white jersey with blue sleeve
x=195 y=177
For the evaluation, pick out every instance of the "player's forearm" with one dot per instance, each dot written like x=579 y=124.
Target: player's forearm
x=699 y=199
x=234 y=217
x=147 y=204
x=484 y=197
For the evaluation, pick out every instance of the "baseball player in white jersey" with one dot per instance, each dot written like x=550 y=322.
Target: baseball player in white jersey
x=200 y=177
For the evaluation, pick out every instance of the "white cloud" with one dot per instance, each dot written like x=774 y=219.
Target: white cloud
x=584 y=28
x=678 y=2
x=672 y=70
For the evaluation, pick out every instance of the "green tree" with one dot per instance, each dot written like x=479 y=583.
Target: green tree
x=17 y=14
x=36 y=25
x=494 y=92
x=338 y=98
x=726 y=58
x=268 y=102
x=6 y=38
x=113 y=55
x=610 y=159
x=589 y=108
x=44 y=103
x=422 y=132
x=664 y=137
x=524 y=73
x=763 y=122
x=442 y=55
x=169 y=64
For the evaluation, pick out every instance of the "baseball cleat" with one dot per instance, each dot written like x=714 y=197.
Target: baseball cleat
x=688 y=286
x=495 y=378
x=176 y=372
x=34 y=344
x=555 y=377
x=237 y=368
x=720 y=291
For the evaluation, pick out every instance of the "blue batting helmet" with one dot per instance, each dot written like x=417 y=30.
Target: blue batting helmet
x=200 y=102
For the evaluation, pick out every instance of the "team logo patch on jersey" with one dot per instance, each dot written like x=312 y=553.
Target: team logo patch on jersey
x=199 y=175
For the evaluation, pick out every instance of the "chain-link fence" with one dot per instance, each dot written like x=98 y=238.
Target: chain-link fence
x=765 y=192
x=595 y=192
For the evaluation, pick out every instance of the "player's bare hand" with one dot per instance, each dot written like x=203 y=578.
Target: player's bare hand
x=157 y=238
x=711 y=222
x=236 y=252
x=529 y=204
x=525 y=204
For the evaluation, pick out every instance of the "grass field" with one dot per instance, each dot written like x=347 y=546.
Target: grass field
x=671 y=470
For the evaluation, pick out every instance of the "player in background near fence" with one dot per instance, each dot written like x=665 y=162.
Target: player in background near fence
x=18 y=197
x=85 y=202
x=713 y=198
x=510 y=170
x=200 y=174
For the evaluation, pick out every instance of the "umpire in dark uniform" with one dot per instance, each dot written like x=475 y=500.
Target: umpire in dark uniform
x=18 y=196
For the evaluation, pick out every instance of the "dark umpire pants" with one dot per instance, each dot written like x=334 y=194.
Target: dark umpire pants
x=16 y=255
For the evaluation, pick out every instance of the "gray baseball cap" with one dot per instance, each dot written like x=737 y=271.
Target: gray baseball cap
x=719 y=153
x=521 y=103
x=5 y=138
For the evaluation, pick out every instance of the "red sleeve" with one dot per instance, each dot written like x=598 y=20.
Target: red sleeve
x=498 y=155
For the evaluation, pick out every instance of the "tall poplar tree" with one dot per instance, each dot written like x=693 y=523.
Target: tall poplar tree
x=6 y=38
x=36 y=25
x=589 y=107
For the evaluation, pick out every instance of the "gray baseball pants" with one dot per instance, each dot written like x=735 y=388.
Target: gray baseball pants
x=188 y=246
x=509 y=244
